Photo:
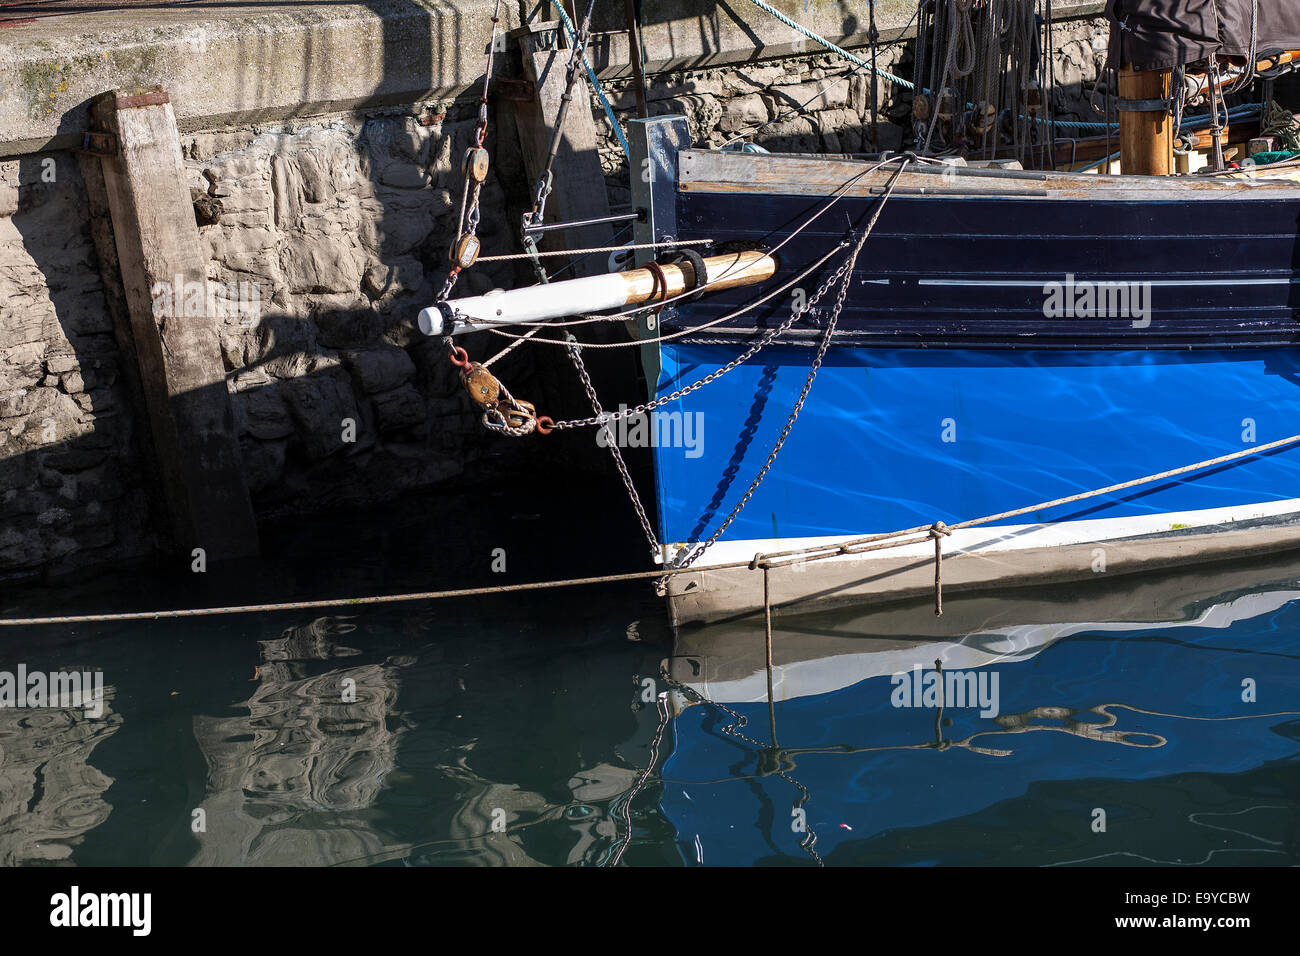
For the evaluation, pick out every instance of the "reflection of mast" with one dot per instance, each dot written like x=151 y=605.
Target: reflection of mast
x=310 y=744
x=50 y=795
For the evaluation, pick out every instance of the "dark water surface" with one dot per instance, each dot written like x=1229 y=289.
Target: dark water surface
x=568 y=727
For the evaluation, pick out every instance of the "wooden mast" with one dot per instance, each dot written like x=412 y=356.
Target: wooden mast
x=1146 y=136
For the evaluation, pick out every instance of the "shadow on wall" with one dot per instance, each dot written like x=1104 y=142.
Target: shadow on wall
x=71 y=489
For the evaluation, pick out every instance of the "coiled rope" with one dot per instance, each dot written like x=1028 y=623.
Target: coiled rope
x=907 y=84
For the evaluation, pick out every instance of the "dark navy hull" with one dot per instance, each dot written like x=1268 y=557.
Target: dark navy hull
x=942 y=271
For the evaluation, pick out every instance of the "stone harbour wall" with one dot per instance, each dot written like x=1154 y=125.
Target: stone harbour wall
x=333 y=234
x=70 y=483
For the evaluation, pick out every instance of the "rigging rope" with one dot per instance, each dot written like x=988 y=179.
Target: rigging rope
x=752 y=564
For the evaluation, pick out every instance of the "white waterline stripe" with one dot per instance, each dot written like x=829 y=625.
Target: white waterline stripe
x=1012 y=537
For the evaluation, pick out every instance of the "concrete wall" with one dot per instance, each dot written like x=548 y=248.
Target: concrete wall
x=335 y=134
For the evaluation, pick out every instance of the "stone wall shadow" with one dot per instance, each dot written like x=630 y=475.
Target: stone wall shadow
x=73 y=486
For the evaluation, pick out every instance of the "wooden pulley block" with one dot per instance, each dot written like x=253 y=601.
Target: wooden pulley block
x=475 y=164
x=945 y=108
x=481 y=385
x=464 y=251
x=521 y=414
x=983 y=118
x=1032 y=96
x=921 y=107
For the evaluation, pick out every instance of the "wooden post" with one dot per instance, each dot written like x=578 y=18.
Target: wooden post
x=580 y=191
x=164 y=277
x=1146 y=137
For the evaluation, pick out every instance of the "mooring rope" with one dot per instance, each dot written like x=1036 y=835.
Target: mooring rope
x=753 y=564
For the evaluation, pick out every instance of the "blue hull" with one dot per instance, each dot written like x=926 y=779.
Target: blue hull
x=892 y=438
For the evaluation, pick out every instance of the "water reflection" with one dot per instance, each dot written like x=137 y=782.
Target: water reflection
x=292 y=779
x=1200 y=671
x=51 y=794
x=574 y=729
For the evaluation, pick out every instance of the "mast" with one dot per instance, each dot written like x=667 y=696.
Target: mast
x=1146 y=130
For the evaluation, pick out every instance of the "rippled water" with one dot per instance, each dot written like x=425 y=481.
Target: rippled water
x=570 y=728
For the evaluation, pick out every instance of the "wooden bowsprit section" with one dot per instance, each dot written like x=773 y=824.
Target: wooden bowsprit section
x=592 y=294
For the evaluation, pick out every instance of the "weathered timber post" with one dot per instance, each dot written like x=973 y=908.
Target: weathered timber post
x=164 y=277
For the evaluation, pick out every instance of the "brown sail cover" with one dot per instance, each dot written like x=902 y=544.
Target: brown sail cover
x=1278 y=27
x=1158 y=34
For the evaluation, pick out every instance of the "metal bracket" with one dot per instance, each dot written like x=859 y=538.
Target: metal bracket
x=1129 y=105
x=154 y=97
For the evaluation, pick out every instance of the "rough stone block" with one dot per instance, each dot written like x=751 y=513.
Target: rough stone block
x=379 y=369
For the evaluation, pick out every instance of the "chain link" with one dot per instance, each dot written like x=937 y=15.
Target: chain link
x=703 y=546
x=546 y=179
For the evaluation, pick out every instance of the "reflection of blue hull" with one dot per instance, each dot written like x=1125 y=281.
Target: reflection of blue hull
x=893 y=438
x=725 y=813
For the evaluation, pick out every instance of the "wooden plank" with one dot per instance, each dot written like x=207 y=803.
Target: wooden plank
x=101 y=233
x=756 y=175
x=182 y=376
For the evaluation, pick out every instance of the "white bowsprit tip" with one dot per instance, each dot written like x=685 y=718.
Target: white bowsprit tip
x=431 y=320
